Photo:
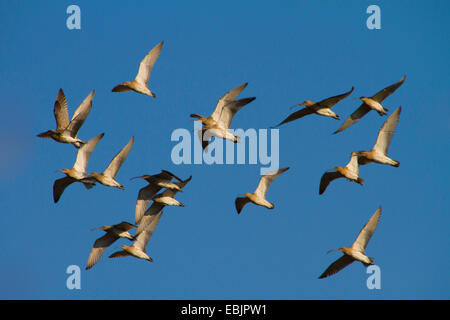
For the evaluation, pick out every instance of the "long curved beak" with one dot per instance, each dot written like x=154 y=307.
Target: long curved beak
x=332 y=250
x=141 y=177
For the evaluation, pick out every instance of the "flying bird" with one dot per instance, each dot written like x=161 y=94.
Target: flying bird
x=372 y=103
x=140 y=83
x=66 y=132
x=218 y=124
x=166 y=198
x=155 y=183
x=379 y=152
x=350 y=171
x=322 y=108
x=78 y=172
x=112 y=234
x=108 y=177
x=259 y=196
x=357 y=250
x=137 y=249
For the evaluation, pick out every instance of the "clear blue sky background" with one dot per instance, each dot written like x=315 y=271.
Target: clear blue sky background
x=288 y=53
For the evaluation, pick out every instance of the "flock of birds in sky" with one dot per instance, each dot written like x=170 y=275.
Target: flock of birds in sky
x=217 y=125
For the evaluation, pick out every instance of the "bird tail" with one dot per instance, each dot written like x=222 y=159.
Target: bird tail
x=360 y=180
x=396 y=164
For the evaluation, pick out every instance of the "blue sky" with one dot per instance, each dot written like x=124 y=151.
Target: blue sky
x=287 y=53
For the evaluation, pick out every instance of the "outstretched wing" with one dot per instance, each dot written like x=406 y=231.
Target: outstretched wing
x=230 y=109
x=386 y=92
x=266 y=180
x=100 y=245
x=84 y=153
x=227 y=98
x=296 y=115
x=59 y=186
x=118 y=160
x=354 y=117
x=337 y=266
x=327 y=177
x=240 y=203
x=366 y=232
x=60 y=111
x=145 y=195
x=143 y=237
x=386 y=132
x=80 y=115
x=146 y=65
x=330 y=102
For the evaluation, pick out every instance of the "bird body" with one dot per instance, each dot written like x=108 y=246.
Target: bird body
x=167 y=200
x=259 y=196
x=374 y=105
x=357 y=251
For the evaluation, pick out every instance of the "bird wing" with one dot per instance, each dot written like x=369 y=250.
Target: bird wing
x=146 y=65
x=84 y=152
x=353 y=164
x=167 y=175
x=100 y=245
x=230 y=109
x=240 y=203
x=266 y=180
x=366 y=232
x=145 y=195
x=337 y=266
x=60 y=111
x=124 y=226
x=354 y=117
x=121 y=88
x=143 y=237
x=80 y=115
x=330 y=102
x=149 y=215
x=59 y=186
x=201 y=134
x=386 y=132
x=296 y=115
x=227 y=98
x=386 y=92
x=118 y=160
x=120 y=254
x=327 y=177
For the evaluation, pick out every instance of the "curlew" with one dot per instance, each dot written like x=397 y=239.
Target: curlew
x=137 y=249
x=155 y=183
x=357 y=251
x=350 y=171
x=112 y=234
x=322 y=108
x=379 y=151
x=166 y=198
x=66 y=132
x=78 y=172
x=218 y=124
x=108 y=177
x=140 y=83
x=372 y=103
x=259 y=196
